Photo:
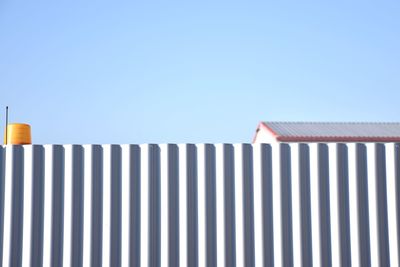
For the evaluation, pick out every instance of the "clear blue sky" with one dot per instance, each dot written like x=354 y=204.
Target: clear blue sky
x=203 y=71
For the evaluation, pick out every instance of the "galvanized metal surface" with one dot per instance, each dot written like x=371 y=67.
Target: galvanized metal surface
x=200 y=205
x=338 y=129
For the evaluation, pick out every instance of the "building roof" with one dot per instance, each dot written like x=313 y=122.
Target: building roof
x=333 y=131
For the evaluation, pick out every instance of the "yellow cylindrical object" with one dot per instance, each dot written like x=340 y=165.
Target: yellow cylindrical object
x=18 y=134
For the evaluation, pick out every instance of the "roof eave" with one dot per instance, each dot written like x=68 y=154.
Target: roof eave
x=338 y=139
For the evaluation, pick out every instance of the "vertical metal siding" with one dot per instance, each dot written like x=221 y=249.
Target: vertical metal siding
x=200 y=205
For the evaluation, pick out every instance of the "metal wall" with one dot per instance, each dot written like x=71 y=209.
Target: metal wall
x=200 y=205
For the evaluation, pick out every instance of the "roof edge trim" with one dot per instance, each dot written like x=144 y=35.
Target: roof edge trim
x=352 y=139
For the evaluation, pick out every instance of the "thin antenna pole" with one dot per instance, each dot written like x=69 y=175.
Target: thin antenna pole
x=6 y=124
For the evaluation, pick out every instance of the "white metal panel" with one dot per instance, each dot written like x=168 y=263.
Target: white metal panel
x=353 y=201
x=106 y=205
x=68 y=197
x=48 y=203
x=201 y=152
x=87 y=205
x=125 y=204
x=164 y=204
x=204 y=205
x=144 y=206
x=258 y=205
x=391 y=202
x=372 y=201
x=27 y=212
x=239 y=200
x=277 y=204
x=220 y=205
x=334 y=202
x=11 y=154
x=315 y=205
x=183 y=218
x=296 y=203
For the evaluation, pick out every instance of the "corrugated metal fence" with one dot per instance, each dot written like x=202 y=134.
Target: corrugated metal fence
x=200 y=205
